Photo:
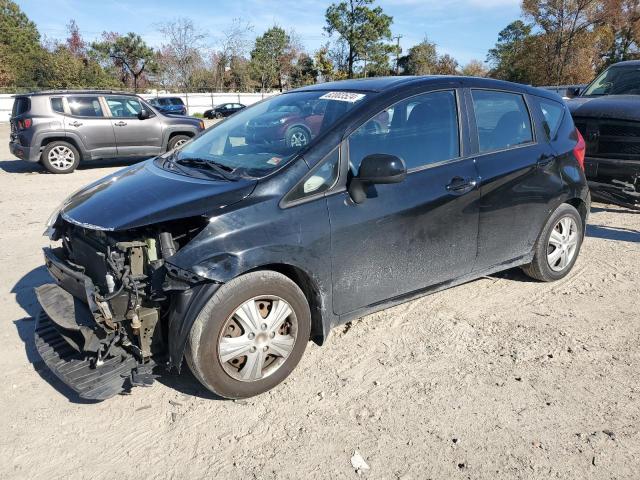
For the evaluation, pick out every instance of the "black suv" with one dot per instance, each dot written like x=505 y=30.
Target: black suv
x=235 y=254
x=60 y=129
x=607 y=113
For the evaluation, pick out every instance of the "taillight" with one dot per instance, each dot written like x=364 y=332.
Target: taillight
x=580 y=150
x=24 y=124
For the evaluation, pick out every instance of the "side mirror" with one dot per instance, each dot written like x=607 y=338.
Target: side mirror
x=144 y=114
x=573 y=92
x=379 y=168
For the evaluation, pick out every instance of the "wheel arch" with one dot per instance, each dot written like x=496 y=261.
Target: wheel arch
x=580 y=205
x=61 y=138
x=319 y=328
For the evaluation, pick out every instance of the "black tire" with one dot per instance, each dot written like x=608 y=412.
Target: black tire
x=539 y=268
x=54 y=165
x=218 y=115
x=204 y=339
x=295 y=135
x=177 y=139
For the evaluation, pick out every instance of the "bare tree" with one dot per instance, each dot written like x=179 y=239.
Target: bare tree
x=181 y=54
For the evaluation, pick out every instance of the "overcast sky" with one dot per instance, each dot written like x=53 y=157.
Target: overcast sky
x=465 y=29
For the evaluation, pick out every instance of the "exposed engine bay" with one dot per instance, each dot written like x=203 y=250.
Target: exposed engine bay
x=120 y=290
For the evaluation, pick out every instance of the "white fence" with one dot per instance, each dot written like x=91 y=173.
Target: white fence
x=196 y=102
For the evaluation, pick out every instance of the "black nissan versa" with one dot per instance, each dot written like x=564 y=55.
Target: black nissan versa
x=234 y=254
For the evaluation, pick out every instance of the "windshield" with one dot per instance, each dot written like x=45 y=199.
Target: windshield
x=263 y=137
x=616 y=81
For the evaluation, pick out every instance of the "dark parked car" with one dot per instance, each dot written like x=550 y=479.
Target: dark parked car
x=60 y=129
x=224 y=110
x=235 y=254
x=169 y=105
x=608 y=114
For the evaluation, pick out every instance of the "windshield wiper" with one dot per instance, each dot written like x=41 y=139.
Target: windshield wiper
x=219 y=168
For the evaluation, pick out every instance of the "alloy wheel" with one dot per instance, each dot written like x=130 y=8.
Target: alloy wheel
x=298 y=139
x=61 y=157
x=180 y=142
x=257 y=338
x=563 y=244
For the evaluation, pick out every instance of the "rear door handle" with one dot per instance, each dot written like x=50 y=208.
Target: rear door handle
x=545 y=160
x=76 y=124
x=461 y=185
x=120 y=124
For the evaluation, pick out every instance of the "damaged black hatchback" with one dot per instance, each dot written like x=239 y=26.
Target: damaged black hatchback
x=300 y=213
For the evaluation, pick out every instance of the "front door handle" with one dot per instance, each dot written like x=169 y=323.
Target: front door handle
x=120 y=124
x=461 y=185
x=75 y=124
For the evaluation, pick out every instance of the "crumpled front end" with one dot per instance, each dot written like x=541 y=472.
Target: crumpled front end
x=106 y=320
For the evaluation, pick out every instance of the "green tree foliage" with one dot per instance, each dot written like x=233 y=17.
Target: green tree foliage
x=422 y=59
x=303 y=72
x=360 y=26
x=508 y=57
x=324 y=64
x=128 y=53
x=20 y=49
x=270 y=58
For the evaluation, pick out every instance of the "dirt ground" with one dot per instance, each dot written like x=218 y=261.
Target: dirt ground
x=499 y=378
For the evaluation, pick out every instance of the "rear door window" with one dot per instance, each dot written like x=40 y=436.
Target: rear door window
x=85 y=106
x=21 y=105
x=552 y=112
x=502 y=120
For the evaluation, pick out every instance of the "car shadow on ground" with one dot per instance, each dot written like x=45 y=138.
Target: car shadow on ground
x=25 y=296
x=20 y=166
x=614 y=210
x=613 y=233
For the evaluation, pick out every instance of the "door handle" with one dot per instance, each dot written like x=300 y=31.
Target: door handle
x=461 y=185
x=120 y=124
x=545 y=160
x=76 y=124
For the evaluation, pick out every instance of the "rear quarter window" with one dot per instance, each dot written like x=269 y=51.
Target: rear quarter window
x=56 y=105
x=21 y=105
x=552 y=114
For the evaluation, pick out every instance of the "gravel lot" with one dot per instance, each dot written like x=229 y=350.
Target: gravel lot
x=499 y=378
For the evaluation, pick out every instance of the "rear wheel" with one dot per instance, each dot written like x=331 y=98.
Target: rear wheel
x=60 y=157
x=557 y=248
x=250 y=335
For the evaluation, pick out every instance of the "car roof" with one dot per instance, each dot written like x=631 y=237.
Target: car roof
x=626 y=63
x=75 y=92
x=386 y=84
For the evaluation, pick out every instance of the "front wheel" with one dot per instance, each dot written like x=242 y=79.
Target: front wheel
x=297 y=137
x=250 y=335
x=557 y=248
x=177 y=141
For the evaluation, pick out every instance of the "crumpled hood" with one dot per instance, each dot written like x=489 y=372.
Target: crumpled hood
x=145 y=194
x=621 y=107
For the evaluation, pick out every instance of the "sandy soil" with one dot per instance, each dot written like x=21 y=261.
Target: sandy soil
x=498 y=378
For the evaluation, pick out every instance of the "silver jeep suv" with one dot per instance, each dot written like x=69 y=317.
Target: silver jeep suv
x=61 y=128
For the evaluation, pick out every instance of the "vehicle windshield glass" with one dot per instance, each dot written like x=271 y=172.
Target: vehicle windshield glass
x=616 y=81
x=263 y=137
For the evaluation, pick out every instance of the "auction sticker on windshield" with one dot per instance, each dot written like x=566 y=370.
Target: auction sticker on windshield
x=350 y=97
